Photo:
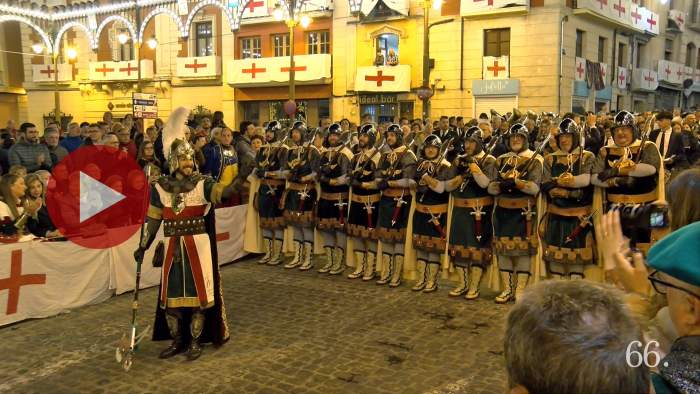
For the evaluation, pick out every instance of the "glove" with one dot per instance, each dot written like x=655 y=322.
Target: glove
x=508 y=185
x=138 y=255
x=260 y=173
x=608 y=173
x=383 y=184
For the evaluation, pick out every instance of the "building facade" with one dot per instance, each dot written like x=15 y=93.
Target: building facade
x=354 y=57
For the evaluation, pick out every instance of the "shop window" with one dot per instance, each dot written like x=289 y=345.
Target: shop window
x=497 y=42
x=280 y=44
x=318 y=42
x=204 y=42
x=250 y=47
x=387 y=49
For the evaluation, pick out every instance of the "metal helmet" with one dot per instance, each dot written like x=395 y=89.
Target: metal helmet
x=396 y=129
x=569 y=127
x=274 y=127
x=333 y=129
x=431 y=140
x=301 y=128
x=369 y=130
x=180 y=149
x=518 y=129
x=626 y=119
x=475 y=134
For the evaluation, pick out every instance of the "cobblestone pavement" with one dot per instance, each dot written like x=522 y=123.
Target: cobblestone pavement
x=291 y=332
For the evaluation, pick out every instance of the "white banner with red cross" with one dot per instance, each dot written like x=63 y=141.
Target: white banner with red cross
x=120 y=71
x=383 y=79
x=198 y=67
x=47 y=72
x=275 y=70
x=604 y=73
x=638 y=16
x=644 y=79
x=580 y=69
x=495 y=67
x=622 y=78
x=254 y=8
x=671 y=72
x=679 y=17
x=696 y=75
x=40 y=279
x=472 y=6
x=652 y=22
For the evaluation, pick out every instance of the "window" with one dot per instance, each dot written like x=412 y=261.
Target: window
x=280 y=44
x=690 y=52
x=250 y=47
x=204 y=44
x=622 y=55
x=387 y=49
x=668 y=49
x=698 y=61
x=601 y=49
x=318 y=42
x=497 y=42
x=579 y=43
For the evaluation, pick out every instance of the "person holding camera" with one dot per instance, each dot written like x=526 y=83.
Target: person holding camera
x=629 y=173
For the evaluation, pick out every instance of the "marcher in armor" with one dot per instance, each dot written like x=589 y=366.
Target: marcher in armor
x=270 y=162
x=395 y=171
x=430 y=216
x=333 y=204
x=364 y=205
x=190 y=290
x=514 y=218
x=567 y=228
x=300 y=196
x=471 y=232
x=629 y=173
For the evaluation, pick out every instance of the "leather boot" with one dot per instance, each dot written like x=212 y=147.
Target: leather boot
x=475 y=275
x=463 y=283
x=308 y=262
x=196 y=327
x=276 y=258
x=398 y=271
x=369 y=271
x=175 y=326
x=421 y=271
x=521 y=283
x=508 y=287
x=433 y=270
x=576 y=276
x=554 y=276
x=267 y=246
x=338 y=262
x=329 y=260
x=298 y=256
x=388 y=269
x=360 y=265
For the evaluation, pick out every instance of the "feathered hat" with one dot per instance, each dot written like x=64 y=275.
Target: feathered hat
x=174 y=137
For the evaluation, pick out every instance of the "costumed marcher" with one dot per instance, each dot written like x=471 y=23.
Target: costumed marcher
x=270 y=162
x=190 y=290
x=364 y=204
x=300 y=196
x=333 y=204
x=567 y=228
x=629 y=173
x=395 y=171
x=515 y=241
x=471 y=231
x=430 y=216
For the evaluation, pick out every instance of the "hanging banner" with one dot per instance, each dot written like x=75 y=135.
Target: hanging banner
x=275 y=70
x=678 y=17
x=198 y=67
x=644 y=80
x=472 y=6
x=383 y=79
x=495 y=67
x=622 y=77
x=47 y=73
x=580 y=70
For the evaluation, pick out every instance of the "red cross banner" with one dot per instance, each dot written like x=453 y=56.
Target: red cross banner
x=671 y=72
x=679 y=18
x=198 y=67
x=120 y=71
x=604 y=74
x=652 y=22
x=275 y=70
x=254 y=8
x=383 y=79
x=622 y=78
x=47 y=73
x=580 y=69
x=495 y=67
x=479 y=6
x=638 y=17
x=644 y=80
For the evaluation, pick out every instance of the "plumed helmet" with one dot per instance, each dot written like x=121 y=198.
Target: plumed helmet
x=569 y=127
x=369 y=130
x=396 y=129
x=175 y=143
x=518 y=129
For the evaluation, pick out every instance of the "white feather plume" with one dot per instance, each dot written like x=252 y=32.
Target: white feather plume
x=174 y=128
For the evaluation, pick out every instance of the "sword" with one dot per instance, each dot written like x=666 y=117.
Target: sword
x=302 y=197
x=584 y=221
x=435 y=221
x=397 y=209
x=369 y=209
x=528 y=213
x=477 y=212
x=341 y=214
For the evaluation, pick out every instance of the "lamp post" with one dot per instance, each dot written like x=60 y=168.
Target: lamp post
x=292 y=19
x=71 y=54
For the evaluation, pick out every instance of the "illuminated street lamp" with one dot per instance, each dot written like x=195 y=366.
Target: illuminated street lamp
x=122 y=38
x=152 y=43
x=38 y=48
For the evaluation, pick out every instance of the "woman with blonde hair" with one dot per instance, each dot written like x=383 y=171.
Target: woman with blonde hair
x=12 y=208
x=39 y=224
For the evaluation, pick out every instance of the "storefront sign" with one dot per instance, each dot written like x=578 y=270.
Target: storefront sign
x=496 y=87
x=378 y=99
x=145 y=106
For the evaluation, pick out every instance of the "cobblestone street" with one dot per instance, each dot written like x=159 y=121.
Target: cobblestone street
x=291 y=332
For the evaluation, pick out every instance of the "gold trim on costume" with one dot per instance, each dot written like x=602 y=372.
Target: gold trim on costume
x=154 y=212
x=570 y=212
x=369 y=199
x=516 y=203
x=395 y=192
x=431 y=209
x=473 y=202
x=633 y=198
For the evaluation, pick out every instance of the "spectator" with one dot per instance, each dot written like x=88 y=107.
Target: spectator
x=56 y=151
x=147 y=155
x=18 y=170
x=110 y=140
x=152 y=133
x=73 y=140
x=393 y=58
x=95 y=133
x=11 y=128
x=218 y=120
x=107 y=119
x=571 y=337
x=125 y=142
x=28 y=152
x=256 y=142
x=158 y=124
x=205 y=125
x=324 y=123
x=6 y=142
x=44 y=176
x=12 y=190
x=344 y=125
x=83 y=131
x=39 y=224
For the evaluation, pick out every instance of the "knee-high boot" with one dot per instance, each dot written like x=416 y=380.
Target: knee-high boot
x=298 y=256
x=508 y=287
x=307 y=262
x=398 y=271
x=521 y=284
x=475 y=275
x=176 y=326
x=276 y=252
x=433 y=270
x=360 y=265
x=369 y=271
x=388 y=269
x=463 y=283
x=329 y=260
x=267 y=247
x=422 y=272
x=338 y=262
x=196 y=328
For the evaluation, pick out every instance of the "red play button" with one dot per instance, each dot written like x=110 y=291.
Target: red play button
x=97 y=196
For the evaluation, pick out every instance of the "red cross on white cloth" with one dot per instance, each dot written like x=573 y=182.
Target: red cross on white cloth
x=496 y=68
x=128 y=69
x=104 y=70
x=16 y=280
x=379 y=78
x=620 y=8
x=48 y=70
x=195 y=66
x=253 y=70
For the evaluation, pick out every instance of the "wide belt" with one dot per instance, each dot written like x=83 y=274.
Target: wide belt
x=185 y=226
x=573 y=211
x=431 y=209
x=369 y=199
x=334 y=196
x=473 y=202
x=272 y=182
x=299 y=186
x=633 y=198
x=395 y=192
x=515 y=203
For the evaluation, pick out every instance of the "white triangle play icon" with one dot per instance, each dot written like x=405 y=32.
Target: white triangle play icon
x=95 y=197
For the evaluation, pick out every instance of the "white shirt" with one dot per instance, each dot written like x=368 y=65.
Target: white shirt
x=666 y=134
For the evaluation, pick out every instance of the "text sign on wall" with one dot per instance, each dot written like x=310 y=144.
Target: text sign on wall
x=378 y=99
x=145 y=106
x=496 y=87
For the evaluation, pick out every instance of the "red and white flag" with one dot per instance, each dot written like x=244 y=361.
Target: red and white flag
x=471 y=6
x=495 y=67
x=604 y=74
x=679 y=18
x=580 y=69
x=383 y=79
x=652 y=22
x=120 y=71
x=638 y=16
x=254 y=8
x=276 y=70
x=622 y=77
x=47 y=72
x=198 y=67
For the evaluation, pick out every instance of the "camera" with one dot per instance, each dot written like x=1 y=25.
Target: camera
x=645 y=216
